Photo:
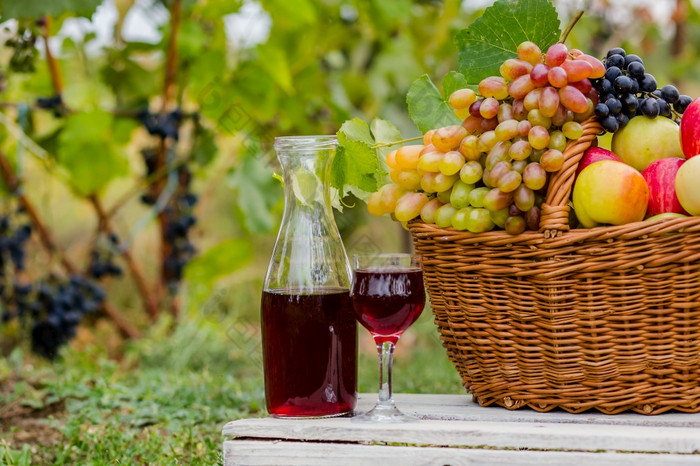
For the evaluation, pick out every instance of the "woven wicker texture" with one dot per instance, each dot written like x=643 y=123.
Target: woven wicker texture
x=606 y=318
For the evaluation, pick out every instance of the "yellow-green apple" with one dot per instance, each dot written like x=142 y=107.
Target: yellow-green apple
x=688 y=185
x=610 y=192
x=660 y=176
x=690 y=129
x=666 y=215
x=645 y=139
x=592 y=155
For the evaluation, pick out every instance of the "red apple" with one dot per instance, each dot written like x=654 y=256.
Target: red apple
x=690 y=130
x=594 y=154
x=660 y=176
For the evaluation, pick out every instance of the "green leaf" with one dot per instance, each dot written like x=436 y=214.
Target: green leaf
x=257 y=192
x=427 y=107
x=454 y=81
x=38 y=8
x=385 y=131
x=87 y=151
x=356 y=167
x=204 y=149
x=493 y=38
x=274 y=61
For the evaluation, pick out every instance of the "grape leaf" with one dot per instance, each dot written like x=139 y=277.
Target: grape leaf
x=384 y=131
x=38 y=8
x=493 y=38
x=427 y=107
x=88 y=152
x=357 y=168
x=257 y=193
x=453 y=81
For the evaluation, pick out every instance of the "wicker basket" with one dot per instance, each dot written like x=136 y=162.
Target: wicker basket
x=605 y=318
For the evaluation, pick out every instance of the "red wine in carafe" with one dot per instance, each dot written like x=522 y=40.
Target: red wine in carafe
x=309 y=352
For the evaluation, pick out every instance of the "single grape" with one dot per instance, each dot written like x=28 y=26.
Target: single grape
x=556 y=54
x=534 y=176
x=615 y=60
x=629 y=102
x=409 y=206
x=519 y=165
x=390 y=159
x=443 y=216
x=536 y=118
x=506 y=130
x=616 y=50
x=612 y=73
x=664 y=108
x=597 y=67
x=583 y=85
x=605 y=86
x=477 y=195
x=513 y=209
x=489 y=124
x=614 y=106
x=505 y=112
x=532 y=218
x=493 y=86
x=489 y=108
x=562 y=116
x=473 y=124
x=530 y=52
x=630 y=58
x=622 y=120
x=650 y=108
x=460 y=218
x=499 y=217
x=532 y=100
x=636 y=70
x=515 y=225
x=524 y=198
x=510 y=181
x=571 y=98
x=407 y=157
x=519 y=110
x=461 y=99
x=682 y=104
x=520 y=150
x=557 y=77
x=459 y=197
x=451 y=163
x=429 y=210
x=389 y=196
x=444 y=196
x=623 y=84
x=479 y=221
x=538 y=137
x=486 y=141
x=548 y=103
x=572 y=130
x=538 y=75
x=407 y=179
x=475 y=108
x=428 y=137
x=444 y=182
x=609 y=124
x=552 y=160
x=647 y=83
x=577 y=70
x=496 y=199
x=520 y=87
x=514 y=68
x=670 y=94
x=498 y=171
x=601 y=110
x=469 y=147
x=448 y=138
x=430 y=162
x=471 y=172
x=557 y=140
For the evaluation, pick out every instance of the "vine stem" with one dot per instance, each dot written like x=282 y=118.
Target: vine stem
x=50 y=59
x=136 y=273
x=47 y=240
x=571 y=25
x=395 y=143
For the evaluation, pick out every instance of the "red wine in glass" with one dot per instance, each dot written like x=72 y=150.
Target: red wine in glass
x=309 y=352
x=388 y=300
x=388 y=296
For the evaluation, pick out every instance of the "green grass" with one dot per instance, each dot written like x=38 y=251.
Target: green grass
x=165 y=400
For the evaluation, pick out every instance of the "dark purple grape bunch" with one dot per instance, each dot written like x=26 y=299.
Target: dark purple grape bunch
x=179 y=220
x=627 y=90
x=13 y=239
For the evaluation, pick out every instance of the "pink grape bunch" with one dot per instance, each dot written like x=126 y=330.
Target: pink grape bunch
x=492 y=170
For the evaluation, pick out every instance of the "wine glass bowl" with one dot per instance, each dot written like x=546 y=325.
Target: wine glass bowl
x=388 y=296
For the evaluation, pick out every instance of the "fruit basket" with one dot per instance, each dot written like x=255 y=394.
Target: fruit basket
x=606 y=318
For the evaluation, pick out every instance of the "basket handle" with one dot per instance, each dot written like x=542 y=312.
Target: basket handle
x=554 y=214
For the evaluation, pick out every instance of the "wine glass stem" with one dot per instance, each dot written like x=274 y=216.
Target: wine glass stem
x=386 y=358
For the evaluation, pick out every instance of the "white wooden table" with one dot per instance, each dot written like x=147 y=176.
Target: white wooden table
x=453 y=430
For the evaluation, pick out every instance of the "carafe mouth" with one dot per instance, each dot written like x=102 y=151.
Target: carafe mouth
x=305 y=143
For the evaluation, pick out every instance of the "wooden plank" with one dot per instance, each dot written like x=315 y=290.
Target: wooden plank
x=250 y=452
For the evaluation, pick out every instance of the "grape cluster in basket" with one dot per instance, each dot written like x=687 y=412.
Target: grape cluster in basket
x=492 y=170
x=627 y=90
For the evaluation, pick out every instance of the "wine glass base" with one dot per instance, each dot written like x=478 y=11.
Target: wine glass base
x=386 y=413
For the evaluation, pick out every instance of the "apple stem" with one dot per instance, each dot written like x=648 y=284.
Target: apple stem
x=571 y=25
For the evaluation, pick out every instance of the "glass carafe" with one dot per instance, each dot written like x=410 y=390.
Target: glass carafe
x=309 y=332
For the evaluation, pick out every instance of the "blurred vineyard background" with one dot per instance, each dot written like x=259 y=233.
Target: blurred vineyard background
x=137 y=134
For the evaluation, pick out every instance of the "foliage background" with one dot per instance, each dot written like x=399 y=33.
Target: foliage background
x=163 y=398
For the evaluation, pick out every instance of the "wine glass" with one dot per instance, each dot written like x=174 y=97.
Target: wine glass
x=387 y=296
